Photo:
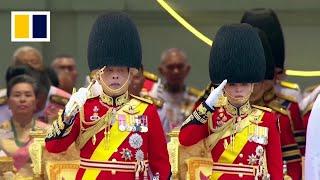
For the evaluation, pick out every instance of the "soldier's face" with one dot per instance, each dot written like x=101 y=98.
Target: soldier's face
x=174 y=68
x=136 y=84
x=115 y=77
x=238 y=93
x=258 y=91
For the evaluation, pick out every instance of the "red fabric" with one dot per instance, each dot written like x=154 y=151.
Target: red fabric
x=148 y=84
x=287 y=138
x=188 y=137
x=305 y=119
x=297 y=120
x=154 y=143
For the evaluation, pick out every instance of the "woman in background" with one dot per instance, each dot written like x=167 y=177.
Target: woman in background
x=22 y=91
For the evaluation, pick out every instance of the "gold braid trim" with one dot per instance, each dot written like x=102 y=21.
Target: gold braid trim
x=88 y=133
x=202 y=114
x=291 y=153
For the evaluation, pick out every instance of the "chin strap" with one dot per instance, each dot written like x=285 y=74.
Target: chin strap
x=110 y=91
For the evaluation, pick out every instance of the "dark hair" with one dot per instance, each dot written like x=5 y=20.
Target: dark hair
x=40 y=77
x=43 y=81
x=14 y=71
x=22 y=79
x=52 y=76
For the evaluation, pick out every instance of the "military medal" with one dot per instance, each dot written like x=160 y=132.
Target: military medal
x=95 y=115
x=135 y=141
x=126 y=154
x=122 y=122
x=144 y=120
x=137 y=124
x=139 y=156
x=258 y=134
x=129 y=123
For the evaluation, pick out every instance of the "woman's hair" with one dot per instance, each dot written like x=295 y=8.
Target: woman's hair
x=40 y=77
x=13 y=71
x=23 y=78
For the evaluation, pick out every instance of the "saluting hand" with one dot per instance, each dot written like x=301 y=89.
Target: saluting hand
x=76 y=101
x=213 y=98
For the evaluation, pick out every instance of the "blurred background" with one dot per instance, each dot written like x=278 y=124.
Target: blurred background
x=71 y=21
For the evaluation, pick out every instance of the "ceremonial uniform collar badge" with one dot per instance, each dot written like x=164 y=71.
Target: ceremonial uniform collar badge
x=115 y=101
x=242 y=111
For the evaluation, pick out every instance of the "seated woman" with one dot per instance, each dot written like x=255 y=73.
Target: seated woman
x=14 y=133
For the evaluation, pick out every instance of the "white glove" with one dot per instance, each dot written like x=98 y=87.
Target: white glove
x=96 y=89
x=213 y=98
x=310 y=98
x=76 y=100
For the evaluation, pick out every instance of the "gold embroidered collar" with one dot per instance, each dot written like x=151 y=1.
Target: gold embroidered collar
x=114 y=101
x=241 y=111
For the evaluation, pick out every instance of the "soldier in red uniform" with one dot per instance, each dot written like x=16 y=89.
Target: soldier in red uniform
x=267 y=21
x=243 y=139
x=290 y=151
x=119 y=137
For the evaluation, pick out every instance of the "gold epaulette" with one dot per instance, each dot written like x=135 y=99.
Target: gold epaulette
x=286 y=97
x=142 y=99
x=289 y=85
x=194 y=91
x=150 y=76
x=276 y=106
x=262 y=108
x=59 y=100
x=157 y=102
x=309 y=89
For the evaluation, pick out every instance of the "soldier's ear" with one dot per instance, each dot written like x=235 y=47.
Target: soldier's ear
x=133 y=71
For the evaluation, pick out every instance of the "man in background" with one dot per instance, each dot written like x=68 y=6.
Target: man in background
x=178 y=98
x=66 y=69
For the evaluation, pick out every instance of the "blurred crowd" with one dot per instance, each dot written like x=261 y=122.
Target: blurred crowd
x=35 y=94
